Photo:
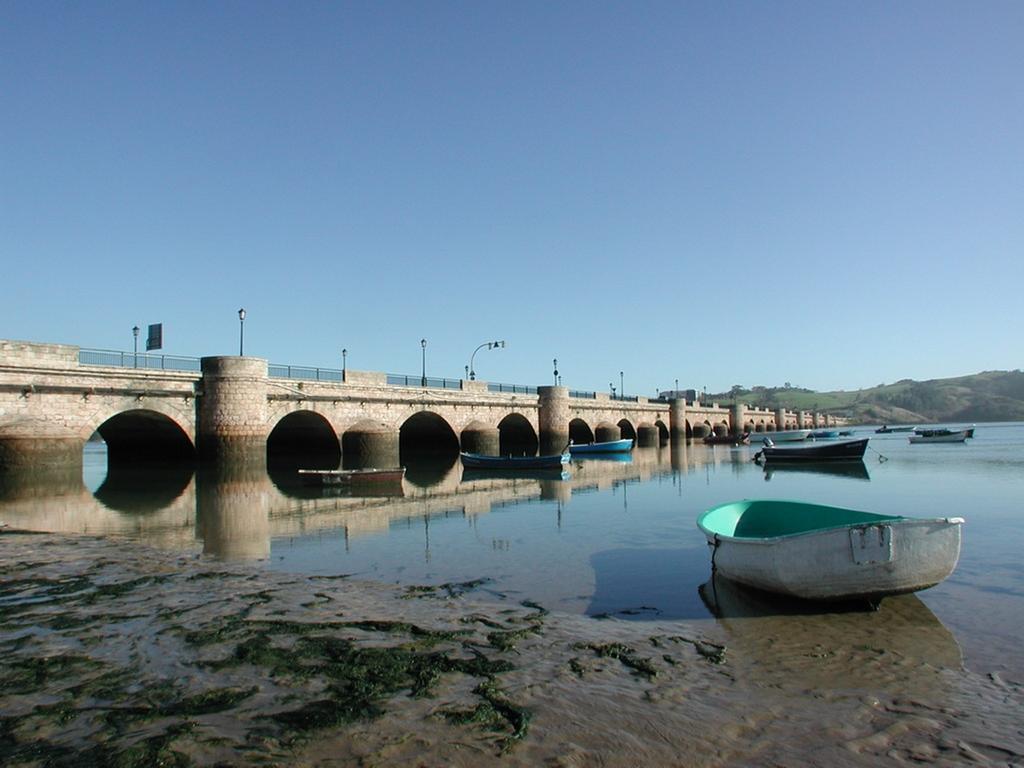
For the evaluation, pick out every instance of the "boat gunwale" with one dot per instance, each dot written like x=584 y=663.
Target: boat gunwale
x=769 y=540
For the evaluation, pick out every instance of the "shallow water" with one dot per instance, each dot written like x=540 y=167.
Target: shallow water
x=615 y=538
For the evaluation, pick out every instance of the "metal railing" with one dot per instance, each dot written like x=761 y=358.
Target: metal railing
x=304 y=373
x=625 y=398
x=401 y=380
x=113 y=359
x=580 y=393
x=523 y=389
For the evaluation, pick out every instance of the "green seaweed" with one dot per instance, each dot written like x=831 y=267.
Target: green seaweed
x=495 y=713
x=29 y=674
x=624 y=654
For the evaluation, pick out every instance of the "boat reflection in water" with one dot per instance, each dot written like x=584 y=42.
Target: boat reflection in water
x=807 y=645
x=854 y=470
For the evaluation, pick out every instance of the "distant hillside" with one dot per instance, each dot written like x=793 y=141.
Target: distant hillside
x=987 y=396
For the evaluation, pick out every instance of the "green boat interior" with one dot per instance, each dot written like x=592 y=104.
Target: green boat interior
x=769 y=519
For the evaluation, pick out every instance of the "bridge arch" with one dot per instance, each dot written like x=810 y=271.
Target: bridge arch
x=626 y=429
x=303 y=439
x=145 y=435
x=664 y=433
x=580 y=432
x=517 y=436
x=427 y=433
x=689 y=430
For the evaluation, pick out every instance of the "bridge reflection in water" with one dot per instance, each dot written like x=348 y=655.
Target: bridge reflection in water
x=232 y=511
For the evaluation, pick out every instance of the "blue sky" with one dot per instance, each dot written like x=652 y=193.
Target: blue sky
x=823 y=193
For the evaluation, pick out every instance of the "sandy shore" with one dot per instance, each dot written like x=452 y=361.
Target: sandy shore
x=115 y=654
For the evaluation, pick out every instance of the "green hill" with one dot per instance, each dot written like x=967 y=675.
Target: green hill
x=986 y=396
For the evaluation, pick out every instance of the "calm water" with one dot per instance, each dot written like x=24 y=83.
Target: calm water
x=614 y=538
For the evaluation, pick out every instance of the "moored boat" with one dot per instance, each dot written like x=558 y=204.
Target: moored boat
x=826 y=434
x=479 y=461
x=885 y=429
x=368 y=476
x=939 y=436
x=743 y=439
x=611 y=446
x=845 y=450
x=789 y=435
x=819 y=552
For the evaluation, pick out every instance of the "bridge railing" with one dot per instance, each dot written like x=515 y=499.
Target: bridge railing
x=113 y=359
x=303 y=373
x=513 y=388
x=401 y=380
x=625 y=398
x=580 y=393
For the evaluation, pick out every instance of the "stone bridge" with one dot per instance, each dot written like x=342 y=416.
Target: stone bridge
x=232 y=410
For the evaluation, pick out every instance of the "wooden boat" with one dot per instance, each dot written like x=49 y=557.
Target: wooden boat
x=479 y=461
x=939 y=436
x=743 y=439
x=369 y=476
x=789 y=435
x=819 y=552
x=845 y=450
x=612 y=446
x=846 y=433
x=886 y=429
x=824 y=434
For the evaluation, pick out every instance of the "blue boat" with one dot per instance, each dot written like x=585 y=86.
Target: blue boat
x=612 y=446
x=819 y=434
x=479 y=461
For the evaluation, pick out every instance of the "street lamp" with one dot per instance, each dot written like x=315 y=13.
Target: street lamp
x=241 y=331
x=555 y=364
x=611 y=388
x=135 y=354
x=677 y=389
x=344 y=363
x=622 y=387
x=423 y=376
x=489 y=345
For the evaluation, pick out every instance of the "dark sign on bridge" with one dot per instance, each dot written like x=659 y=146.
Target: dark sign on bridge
x=155 y=339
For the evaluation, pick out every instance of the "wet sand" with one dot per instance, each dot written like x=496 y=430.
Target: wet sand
x=114 y=653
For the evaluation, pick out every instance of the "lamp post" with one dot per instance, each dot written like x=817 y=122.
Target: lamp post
x=489 y=345
x=555 y=364
x=344 y=363
x=677 y=389
x=135 y=354
x=241 y=331
x=611 y=388
x=622 y=387
x=423 y=376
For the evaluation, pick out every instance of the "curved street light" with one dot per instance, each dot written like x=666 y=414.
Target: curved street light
x=489 y=345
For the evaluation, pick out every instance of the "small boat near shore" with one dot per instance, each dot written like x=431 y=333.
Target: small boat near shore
x=480 y=461
x=789 y=435
x=819 y=552
x=743 y=439
x=368 y=476
x=939 y=436
x=885 y=429
x=846 y=450
x=824 y=434
x=611 y=446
